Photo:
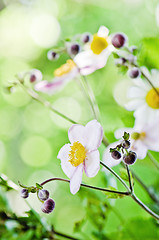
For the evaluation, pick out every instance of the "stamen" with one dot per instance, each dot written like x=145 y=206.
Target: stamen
x=98 y=44
x=65 y=68
x=136 y=135
x=152 y=98
x=77 y=154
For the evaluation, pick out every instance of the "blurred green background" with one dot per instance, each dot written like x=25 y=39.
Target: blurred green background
x=31 y=136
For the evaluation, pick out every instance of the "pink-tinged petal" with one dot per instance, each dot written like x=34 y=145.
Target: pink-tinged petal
x=92 y=163
x=77 y=133
x=140 y=148
x=120 y=132
x=76 y=179
x=107 y=158
x=103 y=32
x=49 y=87
x=93 y=135
x=63 y=155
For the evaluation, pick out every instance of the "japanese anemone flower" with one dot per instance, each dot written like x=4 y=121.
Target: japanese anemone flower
x=144 y=99
x=96 y=52
x=63 y=75
x=143 y=137
x=82 y=153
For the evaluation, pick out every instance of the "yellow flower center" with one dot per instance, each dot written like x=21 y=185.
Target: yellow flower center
x=65 y=68
x=152 y=98
x=98 y=44
x=136 y=135
x=77 y=154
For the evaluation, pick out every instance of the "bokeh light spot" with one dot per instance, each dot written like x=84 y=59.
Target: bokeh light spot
x=45 y=30
x=35 y=151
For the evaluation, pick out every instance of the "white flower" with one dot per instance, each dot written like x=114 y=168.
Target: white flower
x=96 y=53
x=63 y=75
x=82 y=153
x=144 y=99
x=143 y=137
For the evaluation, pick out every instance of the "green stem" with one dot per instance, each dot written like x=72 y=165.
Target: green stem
x=91 y=96
x=47 y=104
x=85 y=185
x=86 y=96
x=129 y=177
x=116 y=175
x=137 y=200
x=153 y=160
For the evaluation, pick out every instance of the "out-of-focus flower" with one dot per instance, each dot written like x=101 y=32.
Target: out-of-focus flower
x=143 y=137
x=144 y=99
x=82 y=153
x=63 y=75
x=96 y=52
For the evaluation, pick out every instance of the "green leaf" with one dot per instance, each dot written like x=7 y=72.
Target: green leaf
x=113 y=195
x=126 y=136
x=115 y=55
x=39 y=186
x=149 y=53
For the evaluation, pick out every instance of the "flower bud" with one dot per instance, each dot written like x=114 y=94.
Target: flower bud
x=134 y=72
x=51 y=55
x=86 y=37
x=120 y=61
x=126 y=144
x=130 y=158
x=43 y=195
x=48 y=206
x=116 y=155
x=35 y=75
x=119 y=40
x=24 y=193
x=75 y=48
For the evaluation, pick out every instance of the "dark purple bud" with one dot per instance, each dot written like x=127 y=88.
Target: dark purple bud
x=51 y=55
x=48 y=206
x=130 y=158
x=134 y=72
x=32 y=78
x=35 y=75
x=119 y=40
x=24 y=193
x=75 y=48
x=116 y=155
x=86 y=37
x=43 y=195
x=126 y=144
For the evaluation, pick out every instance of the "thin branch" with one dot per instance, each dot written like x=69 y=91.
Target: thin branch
x=137 y=200
x=129 y=177
x=116 y=175
x=85 y=185
x=47 y=104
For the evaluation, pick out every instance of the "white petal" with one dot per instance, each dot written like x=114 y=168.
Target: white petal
x=107 y=158
x=134 y=104
x=63 y=155
x=92 y=163
x=76 y=179
x=140 y=148
x=103 y=32
x=136 y=92
x=93 y=135
x=77 y=133
x=120 y=132
x=84 y=59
